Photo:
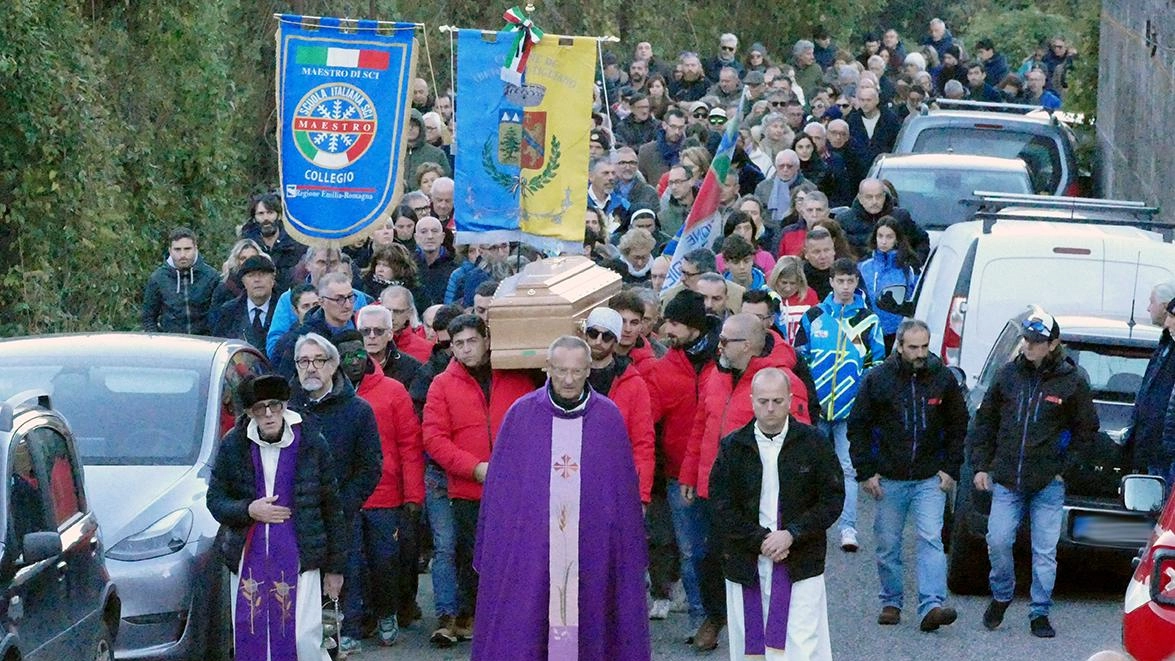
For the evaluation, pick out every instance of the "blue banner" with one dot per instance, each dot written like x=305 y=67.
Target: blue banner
x=344 y=93
x=489 y=133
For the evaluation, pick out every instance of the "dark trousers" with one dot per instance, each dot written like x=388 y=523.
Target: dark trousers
x=409 y=554
x=712 y=582
x=373 y=568
x=664 y=563
x=465 y=513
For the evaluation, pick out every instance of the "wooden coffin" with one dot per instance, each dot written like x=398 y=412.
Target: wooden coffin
x=548 y=298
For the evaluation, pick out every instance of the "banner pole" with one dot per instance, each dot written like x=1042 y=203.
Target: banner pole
x=606 y=38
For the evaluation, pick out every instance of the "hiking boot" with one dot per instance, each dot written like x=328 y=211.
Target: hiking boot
x=388 y=631
x=706 y=637
x=659 y=610
x=444 y=636
x=994 y=615
x=1041 y=628
x=349 y=646
x=463 y=627
x=939 y=616
x=889 y=615
x=848 y=540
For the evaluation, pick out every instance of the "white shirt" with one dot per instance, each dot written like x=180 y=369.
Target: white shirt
x=870 y=124
x=769 y=447
x=250 y=307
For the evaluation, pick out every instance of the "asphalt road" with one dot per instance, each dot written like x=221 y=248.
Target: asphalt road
x=1087 y=615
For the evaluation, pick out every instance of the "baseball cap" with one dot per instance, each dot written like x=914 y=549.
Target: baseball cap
x=1040 y=326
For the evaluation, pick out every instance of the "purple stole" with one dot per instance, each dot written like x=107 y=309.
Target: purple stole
x=774 y=634
x=269 y=570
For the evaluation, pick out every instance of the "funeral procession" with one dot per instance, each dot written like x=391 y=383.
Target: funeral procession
x=587 y=330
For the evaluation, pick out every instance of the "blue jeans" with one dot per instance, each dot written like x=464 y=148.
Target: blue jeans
x=838 y=433
x=1044 y=517
x=925 y=501
x=373 y=569
x=691 y=532
x=444 y=540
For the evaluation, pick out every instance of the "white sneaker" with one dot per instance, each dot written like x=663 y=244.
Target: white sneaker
x=848 y=540
x=678 y=601
x=659 y=610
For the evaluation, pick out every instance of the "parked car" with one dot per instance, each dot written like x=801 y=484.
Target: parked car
x=1148 y=619
x=1068 y=255
x=1112 y=354
x=934 y=187
x=59 y=601
x=148 y=412
x=1041 y=140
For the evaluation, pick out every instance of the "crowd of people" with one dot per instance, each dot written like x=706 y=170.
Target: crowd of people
x=752 y=397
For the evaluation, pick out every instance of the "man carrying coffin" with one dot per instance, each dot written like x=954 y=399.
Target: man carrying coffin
x=774 y=489
x=562 y=575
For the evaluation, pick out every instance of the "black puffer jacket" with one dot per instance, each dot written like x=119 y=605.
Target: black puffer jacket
x=858 y=225
x=318 y=516
x=908 y=424
x=811 y=496
x=1034 y=423
x=177 y=301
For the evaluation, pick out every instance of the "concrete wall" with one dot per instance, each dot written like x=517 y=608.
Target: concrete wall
x=1136 y=102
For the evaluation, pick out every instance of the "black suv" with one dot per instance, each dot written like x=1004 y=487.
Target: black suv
x=59 y=602
x=1112 y=354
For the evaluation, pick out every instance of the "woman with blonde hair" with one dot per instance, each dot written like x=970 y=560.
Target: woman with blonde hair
x=788 y=281
x=230 y=284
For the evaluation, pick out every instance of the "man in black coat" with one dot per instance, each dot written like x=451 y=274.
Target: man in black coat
x=872 y=203
x=873 y=129
x=906 y=432
x=1152 y=430
x=1036 y=420
x=248 y=316
x=772 y=524
x=178 y=294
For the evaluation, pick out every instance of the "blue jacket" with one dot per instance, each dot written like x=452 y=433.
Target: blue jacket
x=881 y=271
x=285 y=318
x=839 y=342
x=758 y=280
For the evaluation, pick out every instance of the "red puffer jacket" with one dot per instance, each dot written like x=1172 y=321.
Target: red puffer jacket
x=631 y=395
x=413 y=343
x=724 y=406
x=675 y=385
x=460 y=425
x=402 y=479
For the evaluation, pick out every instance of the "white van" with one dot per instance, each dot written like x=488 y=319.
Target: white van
x=1084 y=260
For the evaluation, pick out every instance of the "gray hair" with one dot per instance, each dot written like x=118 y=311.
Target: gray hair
x=377 y=310
x=332 y=279
x=728 y=37
x=953 y=86
x=417 y=196
x=443 y=182
x=569 y=342
x=802 y=46
x=329 y=349
x=703 y=258
x=908 y=325
x=712 y=277
x=1164 y=291
x=398 y=290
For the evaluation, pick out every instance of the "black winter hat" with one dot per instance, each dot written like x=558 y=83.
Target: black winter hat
x=255 y=389
x=688 y=308
x=256 y=263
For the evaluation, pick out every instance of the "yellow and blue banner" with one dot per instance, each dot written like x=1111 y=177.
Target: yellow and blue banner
x=343 y=98
x=522 y=162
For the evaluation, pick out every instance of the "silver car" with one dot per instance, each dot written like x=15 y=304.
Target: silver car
x=147 y=412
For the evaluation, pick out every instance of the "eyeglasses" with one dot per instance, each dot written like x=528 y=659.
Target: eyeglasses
x=267 y=407
x=420 y=210
x=690 y=274
x=339 y=300
x=625 y=162
x=306 y=363
x=718 y=121
x=675 y=182
x=354 y=356
x=778 y=104
x=564 y=372
x=701 y=115
x=400 y=310
x=843 y=106
x=373 y=331
x=1058 y=45
x=595 y=333
x=729 y=49
x=723 y=341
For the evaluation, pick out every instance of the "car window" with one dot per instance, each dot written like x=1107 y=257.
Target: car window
x=142 y=414
x=240 y=365
x=1115 y=373
x=1004 y=350
x=62 y=475
x=1039 y=152
x=932 y=196
x=27 y=511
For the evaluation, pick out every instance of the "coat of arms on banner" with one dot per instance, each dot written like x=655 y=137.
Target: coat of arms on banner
x=522 y=143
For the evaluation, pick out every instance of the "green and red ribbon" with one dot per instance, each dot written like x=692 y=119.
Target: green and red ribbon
x=527 y=36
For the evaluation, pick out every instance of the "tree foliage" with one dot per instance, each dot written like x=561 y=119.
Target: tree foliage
x=121 y=119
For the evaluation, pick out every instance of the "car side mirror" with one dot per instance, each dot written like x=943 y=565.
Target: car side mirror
x=38 y=546
x=1142 y=493
x=892 y=299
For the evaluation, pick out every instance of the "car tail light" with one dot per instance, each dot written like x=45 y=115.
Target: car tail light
x=952 y=337
x=1163 y=576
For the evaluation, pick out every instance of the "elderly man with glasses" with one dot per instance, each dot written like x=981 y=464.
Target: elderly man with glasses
x=336 y=300
x=776 y=192
x=326 y=397
x=275 y=492
x=374 y=323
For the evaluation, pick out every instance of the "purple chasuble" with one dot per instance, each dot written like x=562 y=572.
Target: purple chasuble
x=264 y=626
x=513 y=555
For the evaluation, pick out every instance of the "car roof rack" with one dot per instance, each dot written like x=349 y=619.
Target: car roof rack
x=9 y=406
x=992 y=206
x=965 y=104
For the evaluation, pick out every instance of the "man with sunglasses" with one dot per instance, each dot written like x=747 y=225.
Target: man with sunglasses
x=1036 y=420
x=374 y=323
x=727 y=56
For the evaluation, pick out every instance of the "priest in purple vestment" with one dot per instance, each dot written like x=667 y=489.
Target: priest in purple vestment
x=561 y=548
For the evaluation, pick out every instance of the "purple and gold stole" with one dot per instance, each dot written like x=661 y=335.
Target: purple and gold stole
x=269 y=570
x=563 y=559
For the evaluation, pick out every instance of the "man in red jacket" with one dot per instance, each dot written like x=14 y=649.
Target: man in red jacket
x=408 y=334
x=724 y=405
x=692 y=337
x=632 y=342
x=464 y=408
x=394 y=506
x=617 y=378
